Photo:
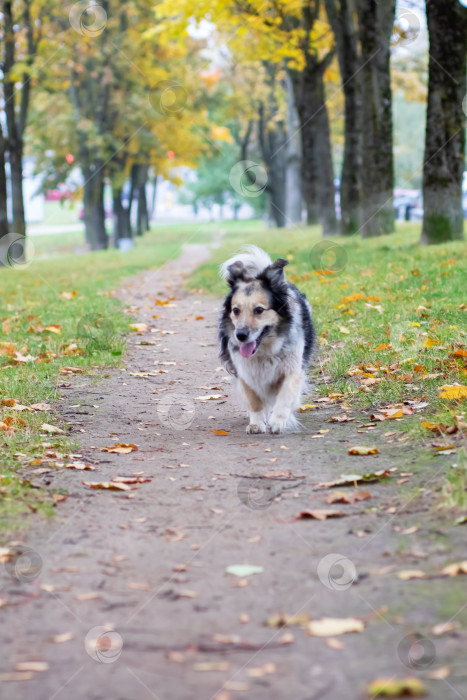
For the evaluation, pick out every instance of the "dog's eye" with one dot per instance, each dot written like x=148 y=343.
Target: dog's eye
x=259 y=310
x=236 y=311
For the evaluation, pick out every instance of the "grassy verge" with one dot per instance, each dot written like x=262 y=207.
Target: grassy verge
x=58 y=313
x=390 y=315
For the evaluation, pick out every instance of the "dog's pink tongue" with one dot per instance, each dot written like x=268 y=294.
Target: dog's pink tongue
x=247 y=349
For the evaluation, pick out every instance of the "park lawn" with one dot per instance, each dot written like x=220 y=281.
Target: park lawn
x=390 y=317
x=55 y=313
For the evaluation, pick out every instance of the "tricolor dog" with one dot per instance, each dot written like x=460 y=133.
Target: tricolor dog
x=266 y=339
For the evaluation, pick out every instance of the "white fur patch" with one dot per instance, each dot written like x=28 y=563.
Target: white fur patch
x=254 y=259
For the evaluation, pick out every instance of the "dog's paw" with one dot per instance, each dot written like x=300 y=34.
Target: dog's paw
x=277 y=425
x=256 y=429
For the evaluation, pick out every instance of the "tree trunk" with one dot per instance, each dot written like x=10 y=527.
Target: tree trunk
x=341 y=16
x=272 y=142
x=16 y=175
x=443 y=218
x=376 y=21
x=122 y=223
x=94 y=212
x=293 y=160
x=3 y=191
x=317 y=167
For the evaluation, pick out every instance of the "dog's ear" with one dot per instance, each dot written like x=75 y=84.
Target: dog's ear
x=274 y=274
x=235 y=273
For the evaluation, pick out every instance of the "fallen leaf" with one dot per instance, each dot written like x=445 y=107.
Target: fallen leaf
x=333 y=626
x=71 y=370
x=210 y=397
x=444 y=628
x=92 y=595
x=319 y=514
x=68 y=295
x=456 y=392
x=242 y=570
x=110 y=485
x=396 y=688
x=120 y=448
x=343 y=497
x=341 y=419
x=50 y=428
x=306 y=407
x=455 y=569
x=219 y=432
x=41 y=406
x=261 y=671
x=283 y=620
x=363 y=451
x=335 y=643
x=439 y=674
x=61 y=638
x=139 y=327
x=409 y=574
x=18 y=676
x=54 y=328
x=32 y=666
x=211 y=666
x=353 y=479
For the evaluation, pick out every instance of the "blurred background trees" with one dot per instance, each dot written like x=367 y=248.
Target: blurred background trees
x=307 y=111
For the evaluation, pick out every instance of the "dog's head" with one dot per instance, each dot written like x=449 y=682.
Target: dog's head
x=256 y=305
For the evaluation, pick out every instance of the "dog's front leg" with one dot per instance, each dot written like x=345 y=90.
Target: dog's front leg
x=286 y=398
x=256 y=409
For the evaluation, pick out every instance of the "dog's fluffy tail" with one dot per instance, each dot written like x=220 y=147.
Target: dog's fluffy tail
x=253 y=258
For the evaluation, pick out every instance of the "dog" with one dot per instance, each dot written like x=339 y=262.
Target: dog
x=266 y=339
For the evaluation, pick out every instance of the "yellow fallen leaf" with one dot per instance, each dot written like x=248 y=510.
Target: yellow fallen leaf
x=32 y=666
x=219 y=432
x=343 y=329
x=306 y=407
x=50 y=428
x=409 y=574
x=444 y=628
x=363 y=451
x=68 y=295
x=454 y=392
x=396 y=688
x=120 y=448
x=139 y=327
x=110 y=485
x=333 y=626
x=54 y=328
x=455 y=569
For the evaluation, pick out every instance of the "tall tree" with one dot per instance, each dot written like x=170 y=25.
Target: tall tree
x=343 y=20
x=21 y=36
x=445 y=126
x=376 y=21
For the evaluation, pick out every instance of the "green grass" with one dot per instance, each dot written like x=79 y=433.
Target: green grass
x=90 y=326
x=407 y=345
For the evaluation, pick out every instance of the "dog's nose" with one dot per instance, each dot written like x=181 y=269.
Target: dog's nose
x=242 y=335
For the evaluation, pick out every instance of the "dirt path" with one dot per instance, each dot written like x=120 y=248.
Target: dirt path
x=143 y=571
